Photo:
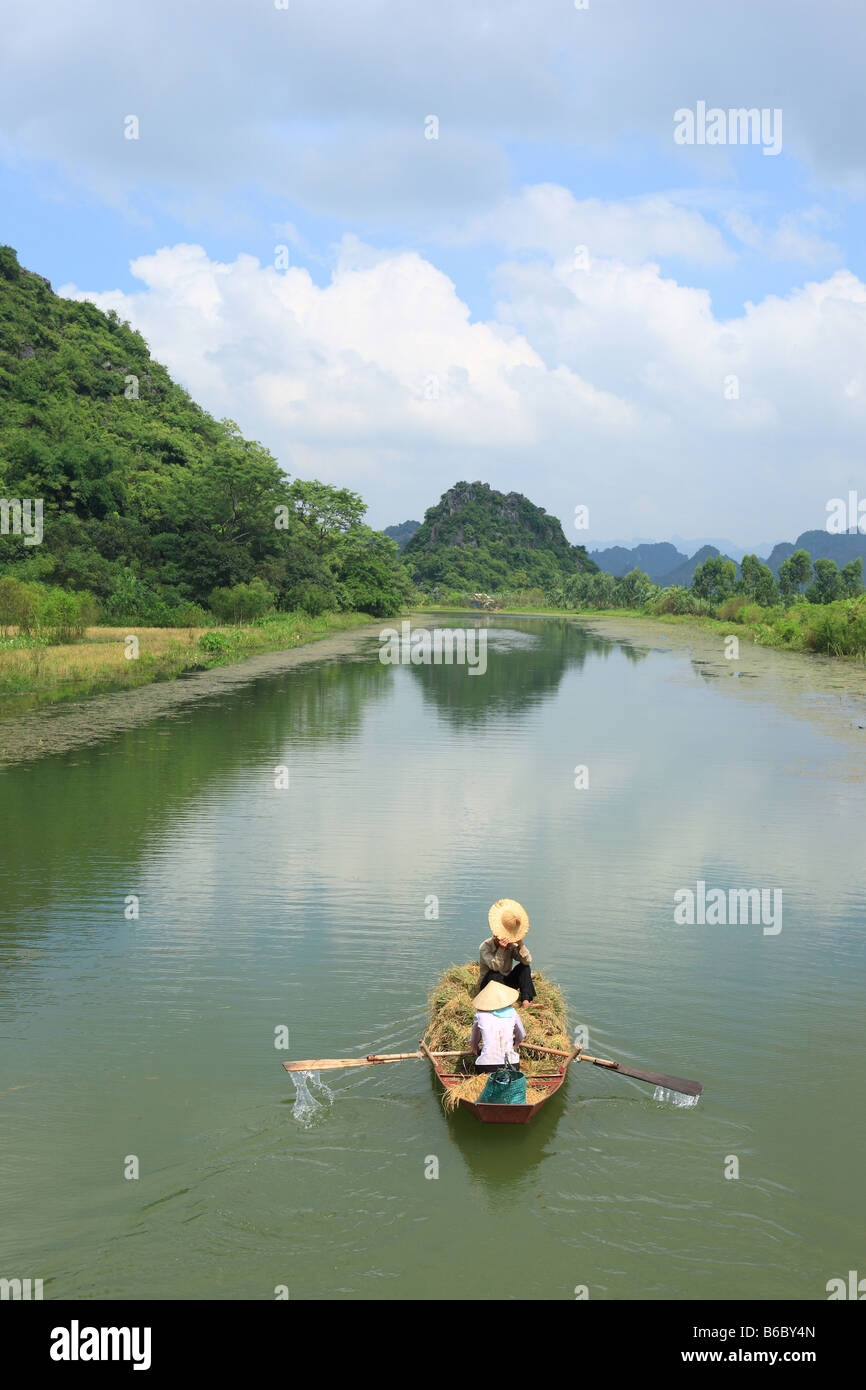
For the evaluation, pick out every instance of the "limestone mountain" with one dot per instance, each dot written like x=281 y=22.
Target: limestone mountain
x=476 y=537
x=683 y=573
x=655 y=558
x=821 y=545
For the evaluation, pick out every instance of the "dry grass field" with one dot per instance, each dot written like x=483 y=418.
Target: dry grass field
x=119 y=658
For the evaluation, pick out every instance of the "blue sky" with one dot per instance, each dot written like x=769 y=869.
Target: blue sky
x=700 y=371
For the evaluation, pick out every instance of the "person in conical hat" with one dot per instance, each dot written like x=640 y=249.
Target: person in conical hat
x=497 y=1031
x=503 y=956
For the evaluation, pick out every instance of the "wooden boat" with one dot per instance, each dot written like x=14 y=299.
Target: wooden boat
x=503 y=1114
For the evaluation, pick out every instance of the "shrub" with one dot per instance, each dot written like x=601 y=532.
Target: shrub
x=44 y=611
x=219 y=641
x=188 y=615
x=840 y=630
x=15 y=603
x=679 y=602
x=731 y=608
x=132 y=600
x=739 y=609
x=242 y=602
x=313 y=599
x=64 y=616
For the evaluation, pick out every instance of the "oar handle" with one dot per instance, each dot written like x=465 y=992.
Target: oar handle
x=389 y=1056
x=399 y=1056
x=582 y=1056
x=549 y=1051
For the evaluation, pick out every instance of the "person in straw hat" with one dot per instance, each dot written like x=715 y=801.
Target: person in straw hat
x=497 y=1031
x=504 y=958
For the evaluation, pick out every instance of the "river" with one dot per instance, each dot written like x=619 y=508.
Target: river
x=265 y=861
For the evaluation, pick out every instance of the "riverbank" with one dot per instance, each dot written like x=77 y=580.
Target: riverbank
x=126 y=658
x=836 y=630
x=63 y=726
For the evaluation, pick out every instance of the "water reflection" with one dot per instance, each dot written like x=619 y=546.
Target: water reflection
x=501 y=1157
x=527 y=659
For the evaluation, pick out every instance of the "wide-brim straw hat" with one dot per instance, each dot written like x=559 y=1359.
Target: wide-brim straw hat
x=495 y=996
x=508 y=920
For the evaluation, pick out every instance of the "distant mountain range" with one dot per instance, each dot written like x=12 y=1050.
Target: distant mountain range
x=821 y=545
x=695 y=543
x=663 y=561
x=667 y=566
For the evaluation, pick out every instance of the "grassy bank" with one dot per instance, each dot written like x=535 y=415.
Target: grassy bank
x=832 y=629
x=36 y=674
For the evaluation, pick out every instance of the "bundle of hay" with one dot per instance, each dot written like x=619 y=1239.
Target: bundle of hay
x=452 y=1009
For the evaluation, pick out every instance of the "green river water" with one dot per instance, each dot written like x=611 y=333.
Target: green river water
x=304 y=907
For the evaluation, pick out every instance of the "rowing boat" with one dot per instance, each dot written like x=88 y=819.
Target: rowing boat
x=548 y=1082
x=543 y=1083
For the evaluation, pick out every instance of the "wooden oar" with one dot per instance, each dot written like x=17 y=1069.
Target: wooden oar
x=334 y=1063
x=655 y=1078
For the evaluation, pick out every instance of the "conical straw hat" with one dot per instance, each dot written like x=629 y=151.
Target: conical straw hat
x=495 y=996
x=508 y=920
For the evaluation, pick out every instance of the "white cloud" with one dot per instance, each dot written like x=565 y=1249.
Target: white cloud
x=604 y=387
x=547 y=217
x=792 y=239
x=326 y=105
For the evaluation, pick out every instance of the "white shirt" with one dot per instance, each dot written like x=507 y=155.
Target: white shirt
x=498 y=1037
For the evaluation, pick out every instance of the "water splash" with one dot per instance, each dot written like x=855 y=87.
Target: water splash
x=306 y=1109
x=674 y=1097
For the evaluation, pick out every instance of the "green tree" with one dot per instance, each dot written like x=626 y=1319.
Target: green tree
x=757 y=581
x=634 y=589
x=852 y=578
x=372 y=579
x=325 y=512
x=714 y=579
x=793 y=574
x=827 y=583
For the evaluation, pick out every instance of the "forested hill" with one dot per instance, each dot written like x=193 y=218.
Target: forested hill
x=821 y=545
x=149 y=502
x=478 y=538
x=402 y=533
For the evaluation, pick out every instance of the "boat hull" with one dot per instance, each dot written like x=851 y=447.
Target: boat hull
x=503 y=1114
x=499 y=1114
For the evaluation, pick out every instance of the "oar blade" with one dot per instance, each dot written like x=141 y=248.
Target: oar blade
x=657 y=1078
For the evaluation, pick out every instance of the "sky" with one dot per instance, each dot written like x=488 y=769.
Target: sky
x=406 y=244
